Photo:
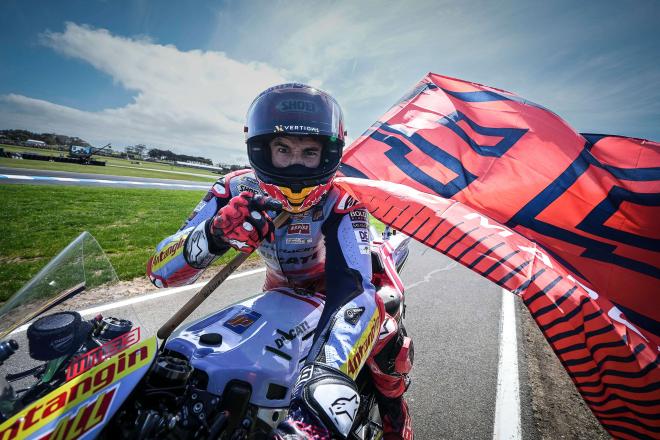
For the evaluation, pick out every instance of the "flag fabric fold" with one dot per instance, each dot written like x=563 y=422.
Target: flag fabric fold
x=567 y=221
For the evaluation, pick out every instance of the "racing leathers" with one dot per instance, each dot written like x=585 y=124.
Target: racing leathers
x=324 y=249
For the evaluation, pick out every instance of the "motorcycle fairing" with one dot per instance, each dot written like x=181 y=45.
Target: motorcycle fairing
x=270 y=350
x=79 y=408
x=274 y=346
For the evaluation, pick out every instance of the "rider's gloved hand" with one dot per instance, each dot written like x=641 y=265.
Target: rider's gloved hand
x=324 y=404
x=243 y=223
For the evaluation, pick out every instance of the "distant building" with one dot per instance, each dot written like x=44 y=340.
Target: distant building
x=34 y=143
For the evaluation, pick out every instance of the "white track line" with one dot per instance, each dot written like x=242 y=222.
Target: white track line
x=158 y=170
x=114 y=182
x=160 y=294
x=507 y=407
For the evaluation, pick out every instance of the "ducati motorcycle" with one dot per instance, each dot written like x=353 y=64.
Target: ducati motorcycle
x=68 y=372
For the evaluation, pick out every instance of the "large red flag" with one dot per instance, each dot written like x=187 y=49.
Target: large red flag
x=567 y=221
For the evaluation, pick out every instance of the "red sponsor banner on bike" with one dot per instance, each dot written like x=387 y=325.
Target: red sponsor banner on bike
x=94 y=357
x=581 y=212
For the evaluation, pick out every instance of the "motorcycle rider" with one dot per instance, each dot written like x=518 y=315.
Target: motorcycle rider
x=295 y=138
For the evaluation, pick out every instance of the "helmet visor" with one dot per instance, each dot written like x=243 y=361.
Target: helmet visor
x=298 y=175
x=295 y=111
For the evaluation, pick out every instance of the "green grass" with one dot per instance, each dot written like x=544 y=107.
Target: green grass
x=36 y=222
x=377 y=224
x=155 y=170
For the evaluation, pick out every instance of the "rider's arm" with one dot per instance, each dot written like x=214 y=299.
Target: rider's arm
x=182 y=257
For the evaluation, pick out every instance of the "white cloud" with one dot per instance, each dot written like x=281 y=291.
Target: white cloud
x=367 y=54
x=193 y=101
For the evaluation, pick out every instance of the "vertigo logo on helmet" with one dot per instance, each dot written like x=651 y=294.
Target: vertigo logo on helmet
x=300 y=128
x=296 y=105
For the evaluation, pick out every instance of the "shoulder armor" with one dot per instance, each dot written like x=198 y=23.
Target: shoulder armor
x=221 y=188
x=246 y=181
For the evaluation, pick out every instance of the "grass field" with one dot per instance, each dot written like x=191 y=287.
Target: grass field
x=116 y=167
x=36 y=222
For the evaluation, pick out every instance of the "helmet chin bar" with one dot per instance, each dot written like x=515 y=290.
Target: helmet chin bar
x=296 y=198
x=297 y=202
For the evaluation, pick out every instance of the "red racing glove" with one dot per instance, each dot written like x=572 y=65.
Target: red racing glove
x=243 y=223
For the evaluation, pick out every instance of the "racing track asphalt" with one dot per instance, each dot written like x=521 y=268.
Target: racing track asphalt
x=452 y=315
x=48 y=177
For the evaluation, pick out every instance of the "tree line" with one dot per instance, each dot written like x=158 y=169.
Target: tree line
x=168 y=155
x=21 y=136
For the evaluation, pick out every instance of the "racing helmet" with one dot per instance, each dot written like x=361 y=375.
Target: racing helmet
x=294 y=109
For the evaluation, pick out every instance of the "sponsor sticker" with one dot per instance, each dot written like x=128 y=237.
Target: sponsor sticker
x=302 y=259
x=296 y=105
x=358 y=215
x=297 y=250
x=93 y=388
x=88 y=417
x=298 y=331
x=360 y=351
x=362 y=235
x=247 y=188
x=299 y=229
x=94 y=357
x=360 y=225
x=298 y=128
x=298 y=240
x=364 y=249
x=242 y=320
x=168 y=253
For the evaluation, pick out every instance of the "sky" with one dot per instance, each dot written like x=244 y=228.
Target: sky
x=181 y=75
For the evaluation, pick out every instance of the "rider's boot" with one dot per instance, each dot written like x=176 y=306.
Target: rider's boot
x=390 y=363
x=394 y=413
